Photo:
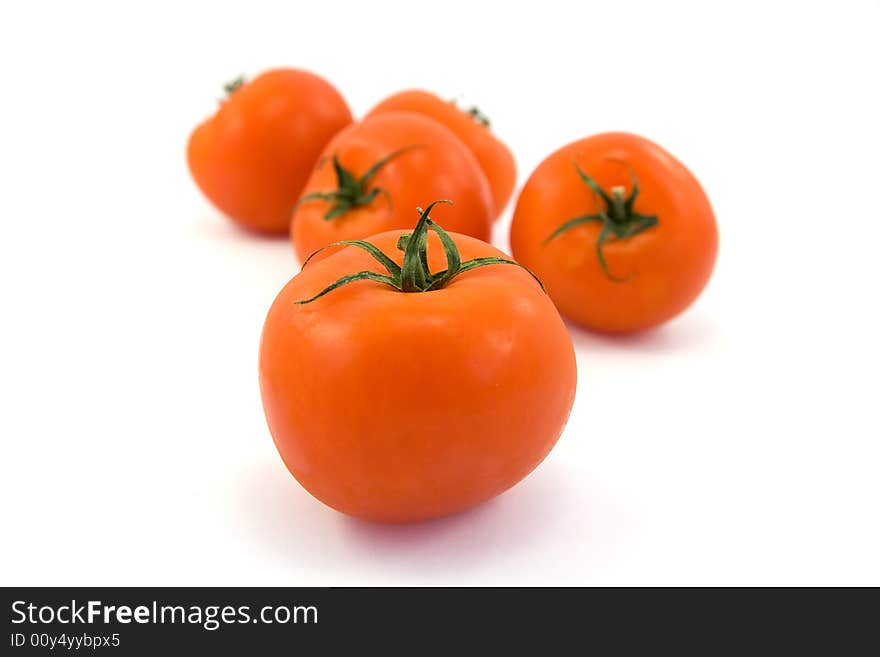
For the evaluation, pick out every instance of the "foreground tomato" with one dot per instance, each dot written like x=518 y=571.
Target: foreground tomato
x=395 y=394
x=619 y=231
x=472 y=127
x=375 y=172
x=252 y=158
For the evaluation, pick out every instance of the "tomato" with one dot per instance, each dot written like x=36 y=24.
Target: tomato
x=399 y=396
x=252 y=158
x=373 y=174
x=619 y=231
x=472 y=127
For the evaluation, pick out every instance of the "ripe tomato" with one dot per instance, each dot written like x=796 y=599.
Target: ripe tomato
x=252 y=158
x=472 y=127
x=619 y=231
x=374 y=173
x=393 y=403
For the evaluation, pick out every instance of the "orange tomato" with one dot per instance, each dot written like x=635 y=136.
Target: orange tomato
x=252 y=158
x=398 y=406
x=619 y=231
x=373 y=174
x=472 y=127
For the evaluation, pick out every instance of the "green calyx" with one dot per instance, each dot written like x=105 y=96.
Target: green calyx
x=619 y=219
x=474 y=112
x=414 y=274
x=234 y=85
x=352 y=192
x=478 y=116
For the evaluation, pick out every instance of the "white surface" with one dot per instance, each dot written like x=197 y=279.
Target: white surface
x=737 y=445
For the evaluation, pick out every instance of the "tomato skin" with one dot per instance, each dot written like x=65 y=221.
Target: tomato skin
x=252 y=158
x=398 y=407
x=664 y=268
x=493 y=155
x=437 y=166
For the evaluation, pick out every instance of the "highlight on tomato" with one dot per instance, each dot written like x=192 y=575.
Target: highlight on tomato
x=472 y=127
x=373 y=173
x=620 y=232
x=414 y=374
x=252 y=158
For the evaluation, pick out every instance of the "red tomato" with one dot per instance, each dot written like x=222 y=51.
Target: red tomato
x=619 y=231
x=400 y=396
x=252 y=158
x=472 y=127
x=374 y=174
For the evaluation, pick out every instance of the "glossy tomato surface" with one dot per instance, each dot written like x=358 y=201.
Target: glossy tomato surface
x=252 y=158
x=434 y=165
x=398 y=407
x=651 y=276
x=493 y=155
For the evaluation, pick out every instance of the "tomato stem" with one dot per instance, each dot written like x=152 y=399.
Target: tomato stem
x=475 y=113
x=618 y=218
x=234 y=85
x=352 y=192
x=413 y=275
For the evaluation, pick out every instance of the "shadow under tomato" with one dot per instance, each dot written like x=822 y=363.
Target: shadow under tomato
x=229 y=251
x=219 y=227
x=514 y=523
x=679 y=335
x=287 y=521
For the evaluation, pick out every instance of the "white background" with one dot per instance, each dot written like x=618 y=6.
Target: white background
x=737 y=445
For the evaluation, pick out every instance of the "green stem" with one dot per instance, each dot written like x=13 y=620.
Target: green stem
x=619 y=219
x=352 y=192
x=477 y=115
x=474 y=112
x=413 y=275
x=234 y=85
